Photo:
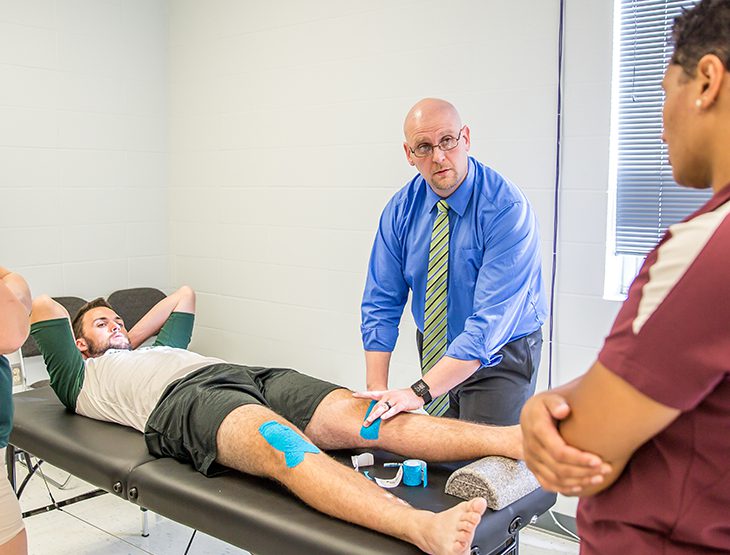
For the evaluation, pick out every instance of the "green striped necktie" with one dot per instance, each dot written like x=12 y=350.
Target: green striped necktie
x=434 y=321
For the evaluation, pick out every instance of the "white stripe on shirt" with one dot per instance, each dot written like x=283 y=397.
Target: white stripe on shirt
x=674 y=257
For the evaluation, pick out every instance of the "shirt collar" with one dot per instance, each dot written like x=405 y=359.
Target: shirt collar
x=458 y=199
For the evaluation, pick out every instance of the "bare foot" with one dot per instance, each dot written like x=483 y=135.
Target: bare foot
x=451 y=532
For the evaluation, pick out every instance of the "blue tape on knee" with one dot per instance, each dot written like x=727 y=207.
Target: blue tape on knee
x=372 y=431
x=284 y=439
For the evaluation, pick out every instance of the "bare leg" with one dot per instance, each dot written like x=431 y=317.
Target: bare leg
x=16 y=546
x=336 y=425
x=336 y=490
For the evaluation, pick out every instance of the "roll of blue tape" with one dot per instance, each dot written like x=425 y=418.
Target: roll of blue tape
x=415 y=472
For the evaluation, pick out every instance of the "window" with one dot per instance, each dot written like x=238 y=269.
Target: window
x=647 y=200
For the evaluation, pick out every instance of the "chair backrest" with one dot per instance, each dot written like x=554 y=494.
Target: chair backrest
x=132 y=304
x=72 y=304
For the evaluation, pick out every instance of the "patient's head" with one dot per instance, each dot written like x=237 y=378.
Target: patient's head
x=98 y=328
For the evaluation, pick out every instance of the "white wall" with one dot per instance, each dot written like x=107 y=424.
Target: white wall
x=83 y=121
x=582 y=316
x=286 y=131
x=282 y=122
x=284 y=135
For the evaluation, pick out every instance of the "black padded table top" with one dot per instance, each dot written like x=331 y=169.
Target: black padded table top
x=101 y=453
x=259 y=515
x=250 y=512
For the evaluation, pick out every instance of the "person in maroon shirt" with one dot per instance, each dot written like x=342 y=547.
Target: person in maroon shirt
x=644 y=435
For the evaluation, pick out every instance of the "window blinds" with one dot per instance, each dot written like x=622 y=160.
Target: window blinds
x=648 y=200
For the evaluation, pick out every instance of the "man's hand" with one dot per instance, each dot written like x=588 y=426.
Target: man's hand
x=391 y=402
x=557 y=466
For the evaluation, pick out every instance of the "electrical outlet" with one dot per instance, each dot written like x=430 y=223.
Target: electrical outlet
x=18 y=378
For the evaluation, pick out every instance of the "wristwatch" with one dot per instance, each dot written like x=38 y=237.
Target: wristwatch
x=421 y=389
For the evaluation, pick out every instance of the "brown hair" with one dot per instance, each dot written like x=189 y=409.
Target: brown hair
x=77 y=324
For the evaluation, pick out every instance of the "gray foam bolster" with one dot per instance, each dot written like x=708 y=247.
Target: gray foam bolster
x=501 y=481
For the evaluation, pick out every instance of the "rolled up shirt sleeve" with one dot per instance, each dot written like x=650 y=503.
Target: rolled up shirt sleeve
x=386 y=290
x=510 y=271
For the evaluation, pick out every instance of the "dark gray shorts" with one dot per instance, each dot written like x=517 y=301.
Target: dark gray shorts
x=186 y=419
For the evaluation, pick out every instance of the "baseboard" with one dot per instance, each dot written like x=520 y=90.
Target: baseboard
x=546 y=523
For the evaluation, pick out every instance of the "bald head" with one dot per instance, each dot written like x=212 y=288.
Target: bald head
x=427 y=110
x=437 y=144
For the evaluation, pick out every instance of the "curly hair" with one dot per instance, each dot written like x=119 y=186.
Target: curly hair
x=702 y=29
x=77 y=324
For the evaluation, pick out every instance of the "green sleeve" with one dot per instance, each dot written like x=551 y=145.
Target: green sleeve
x=177 y=331
x=63 y=359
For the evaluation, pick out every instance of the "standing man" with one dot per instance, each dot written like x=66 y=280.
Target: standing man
x=465 y=241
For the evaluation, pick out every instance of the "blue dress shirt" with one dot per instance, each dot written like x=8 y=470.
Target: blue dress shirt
x=495 y=291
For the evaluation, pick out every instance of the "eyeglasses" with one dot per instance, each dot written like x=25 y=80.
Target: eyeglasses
x=426 y=149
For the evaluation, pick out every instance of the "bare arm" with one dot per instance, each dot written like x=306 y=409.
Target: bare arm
x=18 y=286
x=377 y=364
x=182 y=300
x=557 y=465
x=447 y=373
x=15 y=306
x=45 y=308
x=611 y=418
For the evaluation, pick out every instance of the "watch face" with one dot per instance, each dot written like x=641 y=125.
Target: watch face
x=419 y=388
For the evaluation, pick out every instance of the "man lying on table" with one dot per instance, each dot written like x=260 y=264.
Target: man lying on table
x=268 y=422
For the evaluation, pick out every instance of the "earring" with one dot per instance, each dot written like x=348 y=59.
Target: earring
x=698 y=103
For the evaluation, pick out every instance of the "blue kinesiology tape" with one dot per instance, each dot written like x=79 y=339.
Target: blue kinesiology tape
x=372 y=431
x=284 y=439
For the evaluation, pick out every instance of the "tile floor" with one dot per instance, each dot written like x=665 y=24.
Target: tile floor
x=107 y=525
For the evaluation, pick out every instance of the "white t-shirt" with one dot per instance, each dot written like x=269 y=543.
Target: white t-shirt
x=125 y=386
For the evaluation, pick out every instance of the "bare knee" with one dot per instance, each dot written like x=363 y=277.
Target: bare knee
x=256 y=440
x=337 y=422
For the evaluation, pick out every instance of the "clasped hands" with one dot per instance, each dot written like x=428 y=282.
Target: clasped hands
x=557 y=466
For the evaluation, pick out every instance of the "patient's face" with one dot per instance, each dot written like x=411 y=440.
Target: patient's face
x=103 y=330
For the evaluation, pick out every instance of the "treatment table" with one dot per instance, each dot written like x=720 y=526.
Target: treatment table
x=253 y=513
